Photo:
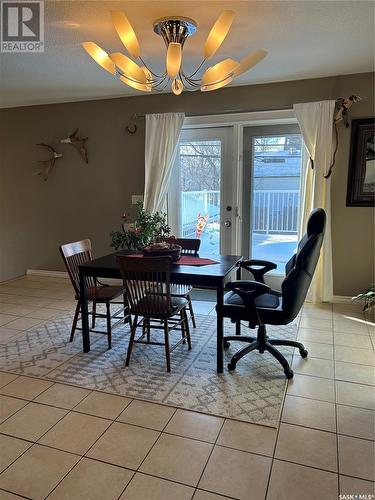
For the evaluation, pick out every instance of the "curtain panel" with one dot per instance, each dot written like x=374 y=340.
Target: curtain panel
x=162 y=136
x=316 y=123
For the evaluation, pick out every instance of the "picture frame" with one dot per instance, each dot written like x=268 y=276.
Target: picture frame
x=361 y=174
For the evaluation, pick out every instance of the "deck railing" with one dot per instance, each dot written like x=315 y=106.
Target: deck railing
x=274 y=211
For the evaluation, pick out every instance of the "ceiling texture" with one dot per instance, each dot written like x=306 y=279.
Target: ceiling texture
x=305 y=39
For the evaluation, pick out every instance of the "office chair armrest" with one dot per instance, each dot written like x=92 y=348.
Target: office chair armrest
x=248 y=290
x=258 y=273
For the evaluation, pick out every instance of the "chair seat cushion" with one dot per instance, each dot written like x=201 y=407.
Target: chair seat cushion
x=157 y=306
x=104 y=293
x=180 y=290
x=269 y=300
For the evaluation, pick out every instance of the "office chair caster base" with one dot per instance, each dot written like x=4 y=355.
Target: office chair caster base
x=289 y=374
x=303 y=353
x=231 y=366
x=226 y=344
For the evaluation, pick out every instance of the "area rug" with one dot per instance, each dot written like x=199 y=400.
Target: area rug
x=253 y=393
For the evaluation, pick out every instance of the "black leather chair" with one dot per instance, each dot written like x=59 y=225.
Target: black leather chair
x=259 y=305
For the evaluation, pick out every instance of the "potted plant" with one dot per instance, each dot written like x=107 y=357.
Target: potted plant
x=145 y=229
x=368 y=297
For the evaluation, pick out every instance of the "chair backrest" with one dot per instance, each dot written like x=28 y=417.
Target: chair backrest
x=301 y=267
x=190 y=246
x=147 y=284
x=74 y=254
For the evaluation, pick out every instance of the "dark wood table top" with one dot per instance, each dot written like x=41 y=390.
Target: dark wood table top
x=106 y=267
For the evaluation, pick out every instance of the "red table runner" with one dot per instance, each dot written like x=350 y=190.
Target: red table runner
x=185 y=260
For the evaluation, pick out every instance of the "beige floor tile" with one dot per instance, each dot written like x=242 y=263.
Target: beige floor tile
x=5 y=319
x=9 y=406
x=124 y=445
x=307 y=447
x=248 y=437
x=146 y=414
x=37 y=472
x=43 y=313
x=92 y=480
x=20 y=309
x=312 y=335
x=236 y=473
x=354 y=486
x=6 y=378
x=195 y=425
x=316 y=323
x=353 y=326
x=75 y=433
x=318 y=350
x=25 y=387
x=141 y=486
x=63 y=396
x=103 y=405
x=8 y=334
x=356 y=457
x=23 y=323
x=313 y=366
x=353 y=355
x=11 y=448
x=32 y=421
x=312 y=387
x=359 y=395
x=356 y=422
x=309 y=413
x=351 y=372
x=350 y=340
x=177 y=458
x=205 y=495
x=296 y=482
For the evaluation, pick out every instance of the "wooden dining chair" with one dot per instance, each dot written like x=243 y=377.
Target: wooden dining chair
x=75 y=254
x=148 y=288
x=190 y=246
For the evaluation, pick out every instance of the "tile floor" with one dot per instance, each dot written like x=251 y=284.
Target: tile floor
x=63 y=442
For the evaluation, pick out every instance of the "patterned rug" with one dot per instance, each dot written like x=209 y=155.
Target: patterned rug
x=253 y=393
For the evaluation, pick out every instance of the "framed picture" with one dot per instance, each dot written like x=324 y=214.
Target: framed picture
x=361 y=176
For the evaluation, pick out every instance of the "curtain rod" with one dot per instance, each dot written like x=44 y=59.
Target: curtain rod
x=339 y=100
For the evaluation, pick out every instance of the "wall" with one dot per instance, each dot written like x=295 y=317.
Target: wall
x=82 y=200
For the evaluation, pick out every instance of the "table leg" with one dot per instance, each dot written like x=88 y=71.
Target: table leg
x=220 y=329
x=84 y=313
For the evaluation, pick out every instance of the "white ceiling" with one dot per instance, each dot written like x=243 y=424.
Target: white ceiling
x=305 y=39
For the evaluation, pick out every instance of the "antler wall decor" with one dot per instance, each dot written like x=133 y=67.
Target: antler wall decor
x=79 y=143
x=50 y=163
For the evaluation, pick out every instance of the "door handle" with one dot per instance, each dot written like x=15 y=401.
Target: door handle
x=227 y=223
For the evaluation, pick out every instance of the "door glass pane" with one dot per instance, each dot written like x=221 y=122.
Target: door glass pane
x=275 y=197
x=199 y=183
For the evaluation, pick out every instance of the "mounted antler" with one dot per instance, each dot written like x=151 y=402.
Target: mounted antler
x=79 y=143
x=48 y=164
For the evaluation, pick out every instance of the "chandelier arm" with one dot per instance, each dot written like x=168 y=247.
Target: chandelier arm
x=149 y=82
x=198 y=68
x=231 y=74
x=161 y=82
x=153 y=74
x=193 y=82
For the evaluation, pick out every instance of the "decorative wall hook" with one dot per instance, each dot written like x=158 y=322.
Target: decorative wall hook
x=48 y=165
x=131 y=129
x=79 y=143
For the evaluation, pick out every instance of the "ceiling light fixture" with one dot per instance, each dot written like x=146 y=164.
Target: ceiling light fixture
x=174 y=31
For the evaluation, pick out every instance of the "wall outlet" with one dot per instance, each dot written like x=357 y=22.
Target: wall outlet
x=136 y=198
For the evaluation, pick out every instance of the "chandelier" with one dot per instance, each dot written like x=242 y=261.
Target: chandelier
x=174 y=31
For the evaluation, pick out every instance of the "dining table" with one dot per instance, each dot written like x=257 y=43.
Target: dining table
x=213 y=275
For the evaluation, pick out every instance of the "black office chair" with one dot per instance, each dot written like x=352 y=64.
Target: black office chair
x=257 y=304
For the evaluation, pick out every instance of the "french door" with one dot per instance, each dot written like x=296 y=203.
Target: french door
x=272 y=163
x=200 y=201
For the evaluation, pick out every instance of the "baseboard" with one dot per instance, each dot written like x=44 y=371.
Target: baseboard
x=341 y=299
x=51 y=274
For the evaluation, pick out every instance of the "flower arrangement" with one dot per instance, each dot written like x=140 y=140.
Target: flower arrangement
x=145 y=229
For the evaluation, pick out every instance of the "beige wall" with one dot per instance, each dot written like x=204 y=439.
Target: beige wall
x=82 y=200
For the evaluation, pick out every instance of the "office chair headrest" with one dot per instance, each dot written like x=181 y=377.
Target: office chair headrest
x=316 y=222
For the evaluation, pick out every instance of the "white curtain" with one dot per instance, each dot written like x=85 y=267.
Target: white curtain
x=162 y=135
x=316 y=123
